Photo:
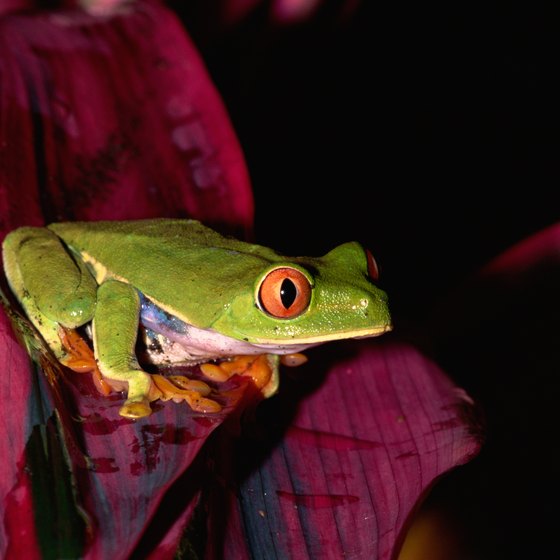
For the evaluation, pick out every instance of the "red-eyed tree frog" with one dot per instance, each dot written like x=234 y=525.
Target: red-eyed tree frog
x=195 y=295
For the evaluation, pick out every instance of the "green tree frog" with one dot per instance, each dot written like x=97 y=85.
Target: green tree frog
x=197 y=297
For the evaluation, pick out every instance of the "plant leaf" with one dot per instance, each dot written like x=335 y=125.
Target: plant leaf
x=17 y=424
x=350 y=460
x=104 y=118
x=113 y=118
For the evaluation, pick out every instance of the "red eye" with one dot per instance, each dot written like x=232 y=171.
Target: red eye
x=285 y=293
x=372 y=268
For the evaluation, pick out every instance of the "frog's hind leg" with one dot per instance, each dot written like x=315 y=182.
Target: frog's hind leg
x=53 y=287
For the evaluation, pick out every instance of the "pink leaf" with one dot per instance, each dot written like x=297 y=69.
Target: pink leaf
x=128 y=467
x=538 y=250
x=104 y=118
x=16 y=424
x=113 y=118
x=351 y=459
x=283 y=12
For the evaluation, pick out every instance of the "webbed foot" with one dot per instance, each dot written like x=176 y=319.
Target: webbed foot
x=293 y=360
x=80 y=358
x=136 y=409
x=180 y=388
x=261 y=369
x=175 y=387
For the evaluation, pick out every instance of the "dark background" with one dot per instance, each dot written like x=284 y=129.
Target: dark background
x=430 y=132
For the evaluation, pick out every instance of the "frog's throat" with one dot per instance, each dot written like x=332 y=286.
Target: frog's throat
x=276 y=345
x=174 y=340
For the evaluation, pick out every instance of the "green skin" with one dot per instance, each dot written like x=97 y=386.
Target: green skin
x=72 y=273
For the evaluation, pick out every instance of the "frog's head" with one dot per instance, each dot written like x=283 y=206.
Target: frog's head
x=307 y=301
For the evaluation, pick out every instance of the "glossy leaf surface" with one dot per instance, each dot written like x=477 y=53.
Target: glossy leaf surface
x=340 y=468
x=113 y=118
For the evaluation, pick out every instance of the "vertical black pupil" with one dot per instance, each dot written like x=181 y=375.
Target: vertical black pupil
x=288 y=293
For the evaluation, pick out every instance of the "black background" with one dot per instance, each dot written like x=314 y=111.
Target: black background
x=430 y=132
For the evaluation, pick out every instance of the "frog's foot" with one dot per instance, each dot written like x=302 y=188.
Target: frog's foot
x=144 y=388
x=293 y=360
x=180 y=388
x=141 y=391
x=79 y=357
x=260 y=369
x=135 y=409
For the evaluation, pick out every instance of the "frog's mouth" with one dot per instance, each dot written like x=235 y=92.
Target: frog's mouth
x=319 y=339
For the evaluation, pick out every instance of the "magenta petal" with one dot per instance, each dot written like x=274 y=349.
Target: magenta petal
x=535 y=251
x=355 y=457
x=94 y=492
x=129 y=468
x=17 y=537
x=113 y=118
x=104 y=118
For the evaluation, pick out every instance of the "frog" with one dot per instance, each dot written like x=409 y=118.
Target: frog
x=198 y=297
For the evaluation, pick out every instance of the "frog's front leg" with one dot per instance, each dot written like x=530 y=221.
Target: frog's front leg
x=115 y=328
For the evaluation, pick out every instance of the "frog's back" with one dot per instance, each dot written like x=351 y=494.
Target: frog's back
x=90 y=236
x=174 y=262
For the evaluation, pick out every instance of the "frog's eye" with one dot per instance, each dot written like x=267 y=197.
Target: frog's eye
x=284 y=293
x=372 y=268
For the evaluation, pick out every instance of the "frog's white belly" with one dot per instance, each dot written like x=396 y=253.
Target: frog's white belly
x=170 y=340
